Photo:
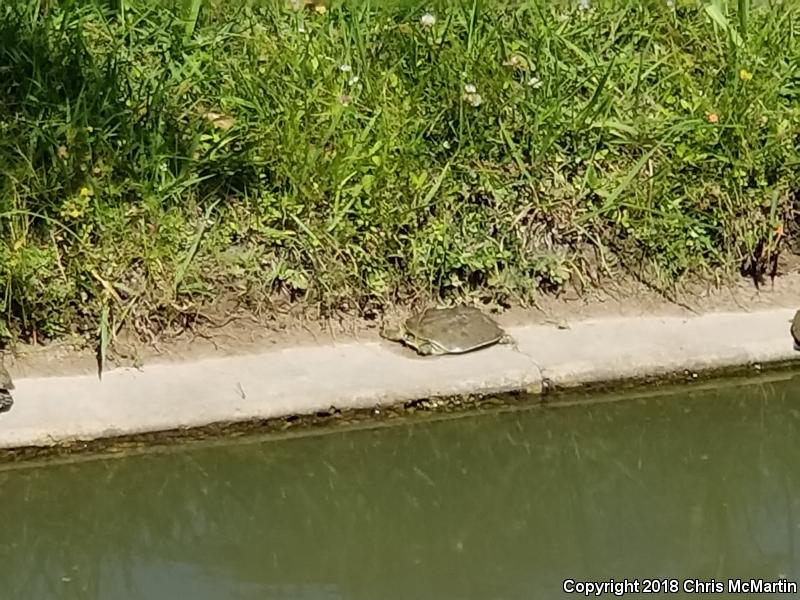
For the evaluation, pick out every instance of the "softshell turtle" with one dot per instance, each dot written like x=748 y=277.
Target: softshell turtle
x=795 y=329
x=6 y=385
x=448 y=331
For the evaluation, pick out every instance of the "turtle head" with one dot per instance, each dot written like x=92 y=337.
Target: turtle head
x=394 y=333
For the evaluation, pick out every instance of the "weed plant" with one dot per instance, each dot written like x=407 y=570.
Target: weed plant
x=158 y=157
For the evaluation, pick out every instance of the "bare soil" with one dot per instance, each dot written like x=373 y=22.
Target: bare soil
x=243 y=332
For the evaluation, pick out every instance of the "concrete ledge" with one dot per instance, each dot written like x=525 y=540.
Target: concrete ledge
x=612 y=349
x=306 y=380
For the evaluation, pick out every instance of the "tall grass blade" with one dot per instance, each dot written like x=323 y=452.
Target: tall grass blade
x=104 y=330
x=191 y=10
x=744 y=16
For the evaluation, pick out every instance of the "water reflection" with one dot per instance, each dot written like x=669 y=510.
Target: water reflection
x=701 y=485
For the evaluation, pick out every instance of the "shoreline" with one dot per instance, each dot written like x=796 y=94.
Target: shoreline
x=308 y=379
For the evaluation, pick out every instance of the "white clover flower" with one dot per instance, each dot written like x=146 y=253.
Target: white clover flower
x=471 y=95
x=345 y=68
x=428 y=20
x=474 y=99
x=584 y=4
x=353 y=80
x=301 y=29
x=345 y=99
x=535 y=82
x=670 y=3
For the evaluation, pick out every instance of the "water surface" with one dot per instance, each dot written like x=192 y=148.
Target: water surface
x=698 y=484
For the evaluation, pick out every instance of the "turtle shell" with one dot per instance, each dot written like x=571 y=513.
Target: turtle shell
x=453 y=330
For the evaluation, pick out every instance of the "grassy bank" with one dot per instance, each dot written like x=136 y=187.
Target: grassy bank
x=363 y=154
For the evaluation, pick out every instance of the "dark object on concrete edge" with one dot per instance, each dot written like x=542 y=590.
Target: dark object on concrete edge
x=6 y=401
x=795 y=329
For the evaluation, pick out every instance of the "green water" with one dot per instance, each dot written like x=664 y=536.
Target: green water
x=504 y=505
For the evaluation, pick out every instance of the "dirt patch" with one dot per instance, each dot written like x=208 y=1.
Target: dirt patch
x=226 y=334
x=629 y=299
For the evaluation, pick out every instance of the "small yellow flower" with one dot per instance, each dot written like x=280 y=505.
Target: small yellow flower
x=85 y=192
x=745 y=75
x=75 y=208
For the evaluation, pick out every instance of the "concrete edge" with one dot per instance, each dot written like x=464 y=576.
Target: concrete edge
x=306 y=380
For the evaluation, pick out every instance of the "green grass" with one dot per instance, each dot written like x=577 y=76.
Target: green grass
x=122 y=198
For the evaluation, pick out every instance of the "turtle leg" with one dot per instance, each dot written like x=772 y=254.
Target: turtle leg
x=507 y=339
x=429 y=349
x=425 y=349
